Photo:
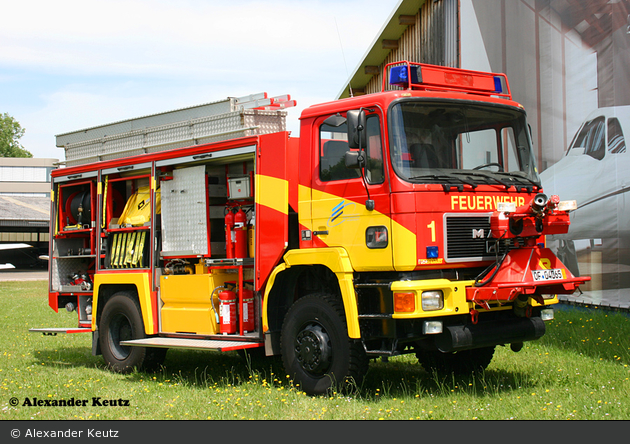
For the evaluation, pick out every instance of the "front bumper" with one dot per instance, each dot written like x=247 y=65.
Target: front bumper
x=457 y=300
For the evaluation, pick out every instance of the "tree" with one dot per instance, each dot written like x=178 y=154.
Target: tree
x=10 y=133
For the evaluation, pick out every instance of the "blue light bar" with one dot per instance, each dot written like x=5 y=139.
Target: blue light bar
x=433 y=252
x=398 y=75
x=498 y=87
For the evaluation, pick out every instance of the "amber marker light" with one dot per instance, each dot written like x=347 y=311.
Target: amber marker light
x=404 y=302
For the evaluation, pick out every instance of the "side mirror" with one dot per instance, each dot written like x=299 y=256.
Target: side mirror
x=356 y=128
x=353 y=159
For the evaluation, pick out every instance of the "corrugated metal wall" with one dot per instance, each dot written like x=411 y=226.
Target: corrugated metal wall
x=433 y=39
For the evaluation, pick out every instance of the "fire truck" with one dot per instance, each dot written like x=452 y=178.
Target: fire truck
x=406 y=221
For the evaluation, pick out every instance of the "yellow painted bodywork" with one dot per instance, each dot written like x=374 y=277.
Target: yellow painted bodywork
x=272 y=279
x=304 y=206
x=348 y=231
x=187 y=307
x=335 y=259
x=143 y=287
x=273 y=193
x=551 y=301
x=454 y=297
x=405 y=252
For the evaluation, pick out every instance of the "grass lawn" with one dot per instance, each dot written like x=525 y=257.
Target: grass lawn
x=579 y=370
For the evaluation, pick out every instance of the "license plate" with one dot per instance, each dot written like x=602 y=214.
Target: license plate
x=548 y=275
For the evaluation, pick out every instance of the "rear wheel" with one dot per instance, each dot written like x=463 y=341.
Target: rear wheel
x=121 y=321
x=460 y=363
x=316 y=350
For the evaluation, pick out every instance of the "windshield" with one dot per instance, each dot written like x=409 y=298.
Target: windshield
x=434 y=142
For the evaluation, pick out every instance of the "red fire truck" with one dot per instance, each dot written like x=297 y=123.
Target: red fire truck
x=406 y=221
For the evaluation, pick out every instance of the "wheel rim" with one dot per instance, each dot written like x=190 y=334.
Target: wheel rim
x=120 y=330
x=313 y=350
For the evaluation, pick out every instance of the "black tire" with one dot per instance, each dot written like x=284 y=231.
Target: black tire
x=121 y=320
x=316 y=350
x=459 y=363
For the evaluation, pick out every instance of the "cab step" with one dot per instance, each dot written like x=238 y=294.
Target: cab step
x=52 y=331
x=197 y=344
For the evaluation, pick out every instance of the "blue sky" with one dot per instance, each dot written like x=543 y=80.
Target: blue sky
x=67 y=65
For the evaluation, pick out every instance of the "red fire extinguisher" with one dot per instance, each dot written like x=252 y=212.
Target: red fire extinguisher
x=229 y=233
x=240 y=236
x=227 y=311
x=248 y=310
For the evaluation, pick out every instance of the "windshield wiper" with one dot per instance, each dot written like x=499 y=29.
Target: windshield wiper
x=518 y=176
x=446 y=177
x=507 y=185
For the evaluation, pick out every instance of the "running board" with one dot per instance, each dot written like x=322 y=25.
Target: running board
x=52 y=331
x=197 y=344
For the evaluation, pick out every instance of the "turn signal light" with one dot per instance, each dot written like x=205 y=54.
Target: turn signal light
x=404 y=302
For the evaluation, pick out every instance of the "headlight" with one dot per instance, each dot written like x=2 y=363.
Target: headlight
x=432 y=327
x=547 y=314
x=432 y=300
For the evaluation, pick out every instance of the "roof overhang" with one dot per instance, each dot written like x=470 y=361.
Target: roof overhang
x=392 y=30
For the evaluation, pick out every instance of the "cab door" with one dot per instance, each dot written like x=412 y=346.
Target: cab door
x=339 y=195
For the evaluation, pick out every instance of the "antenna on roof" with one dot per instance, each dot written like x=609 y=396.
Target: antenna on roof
x=344 y=58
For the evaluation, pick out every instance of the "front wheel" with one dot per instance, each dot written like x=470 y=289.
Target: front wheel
x=316 y=350
x=122 y=321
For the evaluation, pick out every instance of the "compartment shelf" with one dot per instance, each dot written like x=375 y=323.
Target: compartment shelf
x=70 y=232
x=76 y=289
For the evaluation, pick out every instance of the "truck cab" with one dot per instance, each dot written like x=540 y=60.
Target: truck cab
x=425 y=203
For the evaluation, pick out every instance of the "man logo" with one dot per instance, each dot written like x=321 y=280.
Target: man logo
x=478 y=234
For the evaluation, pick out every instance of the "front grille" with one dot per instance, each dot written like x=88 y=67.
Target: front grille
x=467 y=239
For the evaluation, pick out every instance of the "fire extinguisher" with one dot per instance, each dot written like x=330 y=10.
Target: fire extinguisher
x=229 y=233
x=227 y=311
x=240 y=236
x=248 y=310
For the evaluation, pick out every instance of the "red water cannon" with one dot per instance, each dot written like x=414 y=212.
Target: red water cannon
x=529 y=271
x=542 y=216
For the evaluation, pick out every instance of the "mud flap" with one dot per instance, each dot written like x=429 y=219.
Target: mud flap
x=96 y=345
